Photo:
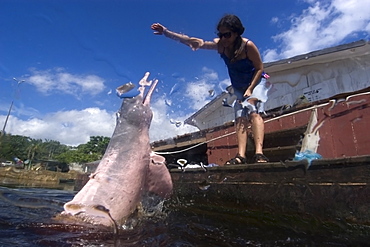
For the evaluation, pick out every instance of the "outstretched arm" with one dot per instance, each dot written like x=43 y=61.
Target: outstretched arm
x=193 y=43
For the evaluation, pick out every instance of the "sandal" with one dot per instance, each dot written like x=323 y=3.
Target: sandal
x=260 y=158
x=238 y=160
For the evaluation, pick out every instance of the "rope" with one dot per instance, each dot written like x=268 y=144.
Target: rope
x=196 y=145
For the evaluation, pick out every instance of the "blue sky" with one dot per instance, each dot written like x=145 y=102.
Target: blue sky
x=72 y=54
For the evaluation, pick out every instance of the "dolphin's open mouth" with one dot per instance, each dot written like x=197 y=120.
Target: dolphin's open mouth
x=150 y=92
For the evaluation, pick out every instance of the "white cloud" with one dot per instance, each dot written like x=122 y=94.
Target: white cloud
x=161 y=126
x=59 y=81
x=198 y=91
x=209 y=74
x=68 y=127
x=323 y=24
x=75 y=127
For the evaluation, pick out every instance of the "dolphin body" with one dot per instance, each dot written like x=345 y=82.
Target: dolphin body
x=128 y=169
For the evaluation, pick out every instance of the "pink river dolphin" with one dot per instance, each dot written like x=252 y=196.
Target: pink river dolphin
x=128 y=170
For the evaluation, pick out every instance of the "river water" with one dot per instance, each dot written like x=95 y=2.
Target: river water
x=26 y=219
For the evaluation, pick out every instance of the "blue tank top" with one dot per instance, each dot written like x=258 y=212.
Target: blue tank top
x=241 y=72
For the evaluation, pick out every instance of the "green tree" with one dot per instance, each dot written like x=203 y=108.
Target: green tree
x=76 y=156
x=23 y=147
x=96 y=145
x=32 y=150
x=52 y=148
x=14 y=147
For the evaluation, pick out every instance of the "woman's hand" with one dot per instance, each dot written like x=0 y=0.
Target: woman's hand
x=248 y=92
x=195 y=43
x=158 y=28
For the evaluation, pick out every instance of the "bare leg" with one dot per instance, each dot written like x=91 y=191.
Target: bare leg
x=258 y=130
x=241 y=134
x=241 y=125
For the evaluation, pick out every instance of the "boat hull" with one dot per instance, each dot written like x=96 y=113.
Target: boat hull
x=329 y=189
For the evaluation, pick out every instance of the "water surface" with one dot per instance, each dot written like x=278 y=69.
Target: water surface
x=26 y=219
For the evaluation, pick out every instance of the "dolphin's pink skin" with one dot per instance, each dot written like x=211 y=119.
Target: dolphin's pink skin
x=127 y=170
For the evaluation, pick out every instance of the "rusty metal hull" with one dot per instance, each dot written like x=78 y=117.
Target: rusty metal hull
x=329 y=189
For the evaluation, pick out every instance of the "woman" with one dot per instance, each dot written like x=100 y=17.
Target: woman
x=245 y=68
